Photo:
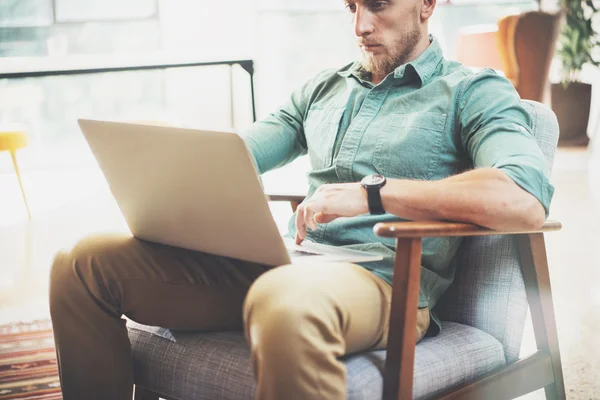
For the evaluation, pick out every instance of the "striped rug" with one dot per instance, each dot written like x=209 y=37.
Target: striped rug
x=28 y=368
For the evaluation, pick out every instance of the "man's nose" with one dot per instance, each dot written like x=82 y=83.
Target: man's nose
x=363 y=22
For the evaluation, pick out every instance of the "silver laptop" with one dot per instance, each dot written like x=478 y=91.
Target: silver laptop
x=198 y=190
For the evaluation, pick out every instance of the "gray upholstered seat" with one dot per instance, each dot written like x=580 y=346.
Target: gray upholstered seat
x=484 y=309
x=216 y=366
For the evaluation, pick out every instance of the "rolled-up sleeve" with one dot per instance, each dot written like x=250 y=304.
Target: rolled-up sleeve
x=496 y=132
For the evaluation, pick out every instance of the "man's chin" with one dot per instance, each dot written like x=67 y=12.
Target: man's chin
x=370 y=64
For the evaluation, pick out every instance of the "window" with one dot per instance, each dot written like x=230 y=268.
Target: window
x=93 y=10
x=25 y=13
x=59 y=27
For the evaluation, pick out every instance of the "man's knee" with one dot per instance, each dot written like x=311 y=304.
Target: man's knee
x=71 y=266
x=281 y=306
x=99 y=245
x=280 y=289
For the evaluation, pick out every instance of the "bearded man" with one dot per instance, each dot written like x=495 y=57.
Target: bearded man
x=401 y=135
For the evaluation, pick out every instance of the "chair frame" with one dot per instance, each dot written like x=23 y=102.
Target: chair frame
x=540 y=370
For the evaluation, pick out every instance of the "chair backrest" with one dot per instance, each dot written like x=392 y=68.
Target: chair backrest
x=526 y=43
x=488 y=291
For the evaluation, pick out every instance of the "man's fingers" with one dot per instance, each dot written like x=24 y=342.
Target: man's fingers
x=323 y=218
x=309 y=218
x=300 y=226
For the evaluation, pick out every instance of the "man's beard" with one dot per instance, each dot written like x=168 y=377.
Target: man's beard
x=397 y=54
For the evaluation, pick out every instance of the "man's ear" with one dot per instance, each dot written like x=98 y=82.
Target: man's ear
x=427 y=7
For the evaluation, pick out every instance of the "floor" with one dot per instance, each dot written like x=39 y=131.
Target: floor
x=68 y=203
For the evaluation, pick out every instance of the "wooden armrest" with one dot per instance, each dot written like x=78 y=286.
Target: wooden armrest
x=294 y=199
x=416 y=229
x=298 y=198
x=398 y=373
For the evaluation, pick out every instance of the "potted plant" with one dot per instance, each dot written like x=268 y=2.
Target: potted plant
x=571 y=98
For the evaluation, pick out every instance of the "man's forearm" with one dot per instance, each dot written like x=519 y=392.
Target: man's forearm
x=485 y=197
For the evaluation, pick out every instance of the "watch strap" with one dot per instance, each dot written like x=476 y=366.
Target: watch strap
x=374 y=200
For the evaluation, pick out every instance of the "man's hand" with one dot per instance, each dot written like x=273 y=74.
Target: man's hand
x=328 y=203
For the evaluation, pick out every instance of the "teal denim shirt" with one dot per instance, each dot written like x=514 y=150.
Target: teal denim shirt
x=427 y=120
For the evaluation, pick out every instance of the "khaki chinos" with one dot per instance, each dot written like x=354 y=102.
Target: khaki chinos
x=299 y=319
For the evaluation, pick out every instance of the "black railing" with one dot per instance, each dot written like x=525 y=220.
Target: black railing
x=28 y=70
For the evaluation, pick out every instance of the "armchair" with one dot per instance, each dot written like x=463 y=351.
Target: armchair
x=475 y=356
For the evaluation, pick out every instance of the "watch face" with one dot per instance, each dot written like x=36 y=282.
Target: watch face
x=374 y=179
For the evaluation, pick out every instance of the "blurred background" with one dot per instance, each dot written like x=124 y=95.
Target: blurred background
x=288 y=41
x=49 y=49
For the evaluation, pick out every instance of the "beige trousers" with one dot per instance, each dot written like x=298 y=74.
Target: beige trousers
x=299 y=320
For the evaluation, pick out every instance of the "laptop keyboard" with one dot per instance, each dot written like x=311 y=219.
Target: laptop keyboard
x=300 y=253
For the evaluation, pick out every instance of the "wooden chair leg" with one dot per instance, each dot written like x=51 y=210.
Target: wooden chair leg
x=400 y=359
x=534 y=264
x=14 y=160
x=144 y=394
x=294 y=205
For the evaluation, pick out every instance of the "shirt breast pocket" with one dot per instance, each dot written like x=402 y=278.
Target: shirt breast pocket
x=409 y=147
x=321 y=128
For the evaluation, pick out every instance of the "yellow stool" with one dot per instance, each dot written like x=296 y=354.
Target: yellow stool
x=11 y=141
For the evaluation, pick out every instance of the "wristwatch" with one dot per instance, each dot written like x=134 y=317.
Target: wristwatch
x=373 y=183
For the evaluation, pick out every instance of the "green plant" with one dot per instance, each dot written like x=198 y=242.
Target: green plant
x=577 y=39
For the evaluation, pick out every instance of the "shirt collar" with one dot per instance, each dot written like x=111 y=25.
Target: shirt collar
x=356 y=70
x=424 y=66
